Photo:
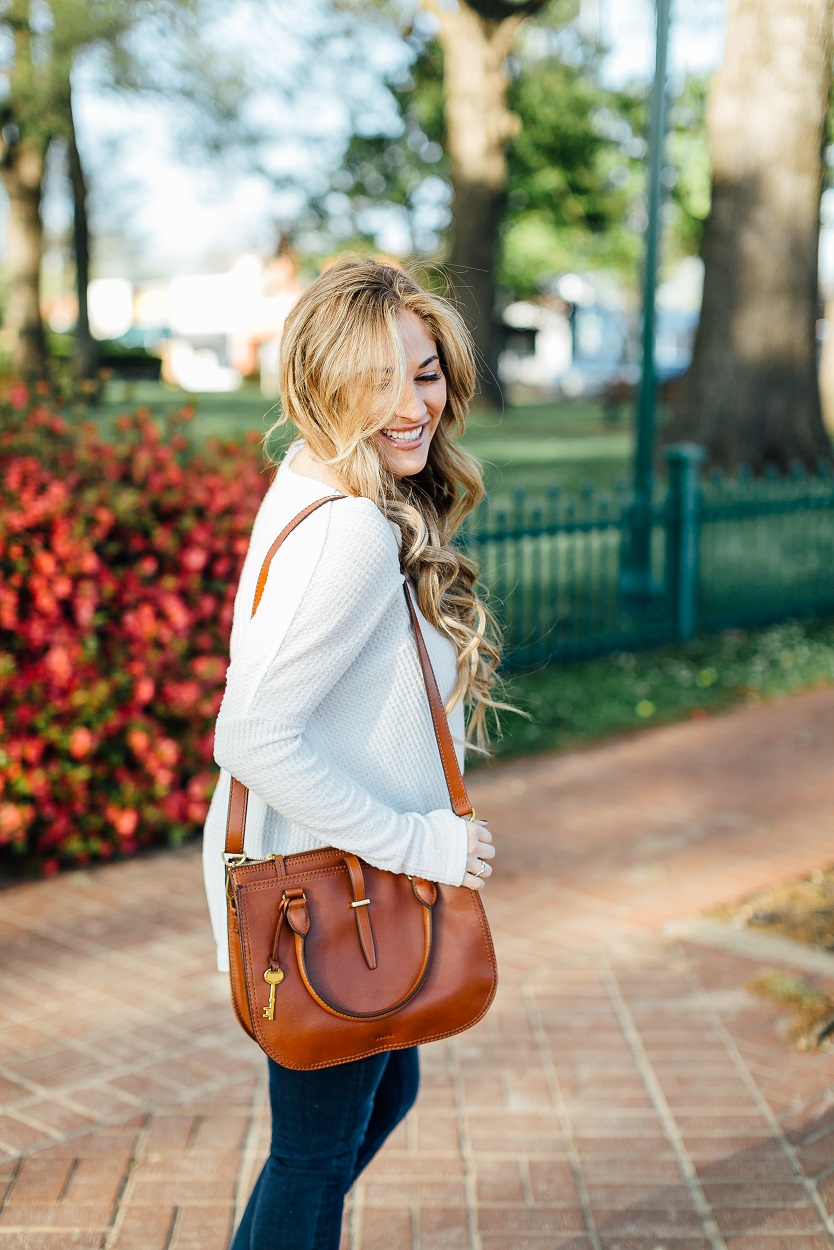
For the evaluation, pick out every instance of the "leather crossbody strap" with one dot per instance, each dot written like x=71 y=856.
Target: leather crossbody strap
x=239 y=794
x=451 y=769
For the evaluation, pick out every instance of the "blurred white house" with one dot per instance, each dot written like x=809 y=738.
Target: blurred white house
x=211 y=330
x=581 y=334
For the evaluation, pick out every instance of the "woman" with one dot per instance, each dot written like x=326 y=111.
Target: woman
x=325 y=716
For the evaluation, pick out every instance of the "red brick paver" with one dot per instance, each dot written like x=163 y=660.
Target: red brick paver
x=625 y=1093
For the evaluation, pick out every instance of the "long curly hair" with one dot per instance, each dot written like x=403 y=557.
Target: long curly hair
x=342 y=372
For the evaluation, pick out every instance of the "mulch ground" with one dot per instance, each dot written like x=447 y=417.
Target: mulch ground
x=802 y=909
x=627 y=1091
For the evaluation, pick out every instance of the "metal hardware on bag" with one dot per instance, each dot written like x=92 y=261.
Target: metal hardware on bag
x=362 y=902
x=273 y=977
x=235 y=861
x=472 y=817
x=231 y=861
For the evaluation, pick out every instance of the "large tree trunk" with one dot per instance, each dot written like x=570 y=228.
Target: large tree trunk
x=86 y=349
x=476 y=40
x=752 y=393
x=22 y=170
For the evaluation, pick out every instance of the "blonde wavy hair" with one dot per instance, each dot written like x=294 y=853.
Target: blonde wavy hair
x=342 y=373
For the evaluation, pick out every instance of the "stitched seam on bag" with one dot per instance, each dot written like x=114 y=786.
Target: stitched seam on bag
x=255 y=1017
x=238 y=1012
x=243 y=930
x=233 y=988
x=479 y=907
x=378 y=1050
x=296 y=855
x=314 y=874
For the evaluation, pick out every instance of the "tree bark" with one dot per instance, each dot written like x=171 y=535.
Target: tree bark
x=22 y=156
x=827 y=368
x=22 y=171
x=752 y=392
x=86 y=348
x=479 y=126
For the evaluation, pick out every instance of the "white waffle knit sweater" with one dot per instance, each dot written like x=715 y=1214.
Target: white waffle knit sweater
x=325 y=716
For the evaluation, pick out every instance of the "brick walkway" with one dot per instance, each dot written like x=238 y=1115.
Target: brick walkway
x=625 y=1093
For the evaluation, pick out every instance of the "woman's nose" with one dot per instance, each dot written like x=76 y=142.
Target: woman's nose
x=411 y=407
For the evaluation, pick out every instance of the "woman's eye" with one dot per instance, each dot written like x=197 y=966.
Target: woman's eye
x=429 y=377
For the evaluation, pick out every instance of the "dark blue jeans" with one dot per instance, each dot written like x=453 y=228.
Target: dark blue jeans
x=327 y=1125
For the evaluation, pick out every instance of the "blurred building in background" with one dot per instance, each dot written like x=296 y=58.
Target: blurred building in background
x=210 y=330
x=581 y=336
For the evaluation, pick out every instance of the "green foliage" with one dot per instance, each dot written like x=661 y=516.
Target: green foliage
x=397 y=172
x=574 y=173
x=576 y=168
x=577 y=703
x=61 y=347
x=47 y=40
x=690 y=167
x=577 y=174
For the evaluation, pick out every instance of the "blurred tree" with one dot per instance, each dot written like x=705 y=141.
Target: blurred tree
x=575 y=176
x=575 y=168
x=688 y=172
x=752 y=392
x=23 y=145
x=46 y=42
x=476 y=37
x=86 y=352
x=396 y=179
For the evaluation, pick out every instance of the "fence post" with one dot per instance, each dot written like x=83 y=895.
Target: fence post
x=682 y=535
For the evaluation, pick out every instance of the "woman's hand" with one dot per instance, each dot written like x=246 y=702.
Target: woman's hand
x=481 y=851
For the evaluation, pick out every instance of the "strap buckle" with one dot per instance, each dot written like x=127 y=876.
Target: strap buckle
x=233 y=859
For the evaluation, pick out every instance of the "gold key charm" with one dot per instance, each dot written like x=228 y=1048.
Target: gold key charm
x=273 y=977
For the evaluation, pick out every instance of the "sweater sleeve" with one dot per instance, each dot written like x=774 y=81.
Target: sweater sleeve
x=261 y=736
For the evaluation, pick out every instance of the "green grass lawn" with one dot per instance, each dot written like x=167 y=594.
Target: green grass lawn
x=218 y=416
x=576 y=703
x=536 y=446
x=529 y=447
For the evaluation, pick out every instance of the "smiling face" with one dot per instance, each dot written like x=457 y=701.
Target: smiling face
x=405 y=441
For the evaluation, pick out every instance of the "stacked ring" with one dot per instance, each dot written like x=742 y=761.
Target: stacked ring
x=481 y=870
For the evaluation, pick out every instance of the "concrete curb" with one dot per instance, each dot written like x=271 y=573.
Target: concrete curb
x=767 y=947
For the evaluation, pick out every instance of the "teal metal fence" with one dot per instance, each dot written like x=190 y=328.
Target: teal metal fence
x=766 y=550
x=724 y=552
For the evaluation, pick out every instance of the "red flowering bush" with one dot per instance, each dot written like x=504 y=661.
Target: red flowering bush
x=118 y=567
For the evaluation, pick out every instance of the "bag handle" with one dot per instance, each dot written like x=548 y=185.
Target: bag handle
x=239 y=793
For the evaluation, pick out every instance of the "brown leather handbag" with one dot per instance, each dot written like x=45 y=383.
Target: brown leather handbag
x=332 y=959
